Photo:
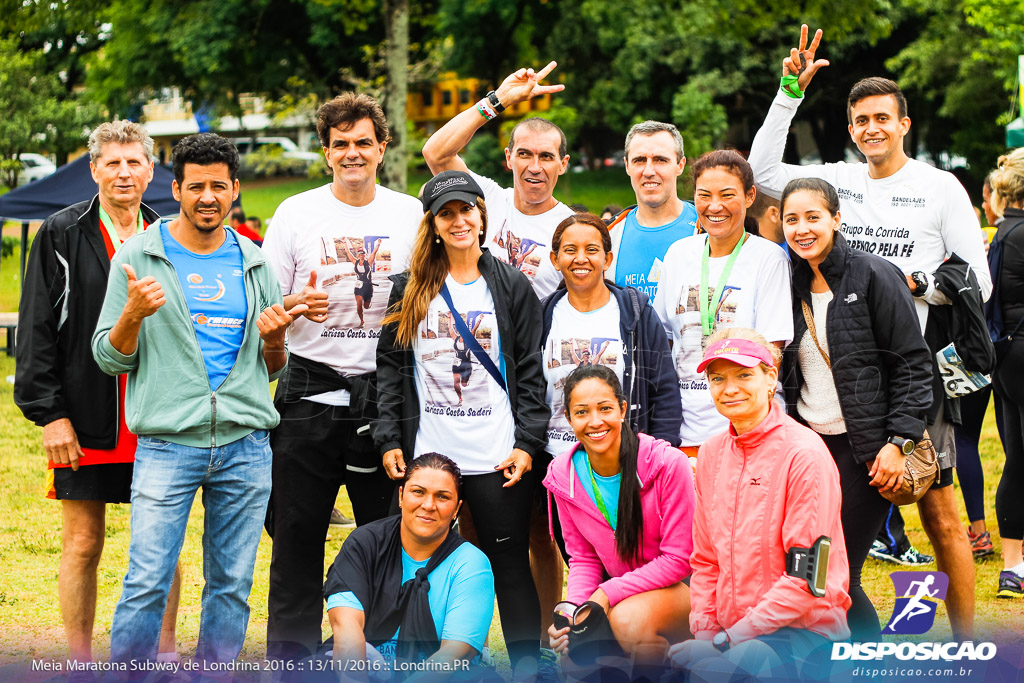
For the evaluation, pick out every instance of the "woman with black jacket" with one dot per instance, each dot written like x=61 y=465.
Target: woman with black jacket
x=610 y=325
x=1008 y=301
x=494 y=427
x=858 y=371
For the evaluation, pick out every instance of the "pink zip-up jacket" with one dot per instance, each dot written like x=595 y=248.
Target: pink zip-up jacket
x=759 y=494
x=667 y=500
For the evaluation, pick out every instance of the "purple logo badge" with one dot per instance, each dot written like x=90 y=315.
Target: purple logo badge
x=917 y=597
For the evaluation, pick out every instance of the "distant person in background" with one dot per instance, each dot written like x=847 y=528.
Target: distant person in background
x=238 y=222
x=60 y=387
x=610 y=212
x=579 y=208
x=255 y=224
x=768 y=214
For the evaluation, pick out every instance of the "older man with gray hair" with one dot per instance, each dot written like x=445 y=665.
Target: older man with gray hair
x=60 y=387
x=643 y=233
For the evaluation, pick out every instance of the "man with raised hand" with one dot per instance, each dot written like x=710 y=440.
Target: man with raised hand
x=911 y=214
x=58 y=384
x=193 y=315
x=520 y=219
x=332 y=249
x=520 y=223
x=642 y=234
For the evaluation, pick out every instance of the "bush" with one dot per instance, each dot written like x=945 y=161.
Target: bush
x=8 y=245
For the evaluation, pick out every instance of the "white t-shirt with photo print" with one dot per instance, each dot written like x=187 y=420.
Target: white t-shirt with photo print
x=520 y=240
x=464 y=412
x=353 y=250
x=757 y=295
x=577 y=338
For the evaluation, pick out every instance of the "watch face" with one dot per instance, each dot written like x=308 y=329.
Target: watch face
x=908 y=447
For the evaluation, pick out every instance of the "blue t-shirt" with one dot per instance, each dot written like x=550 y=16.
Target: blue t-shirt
x=214 y=290
x=608 y=486
x=461 y=597
x=642 y=250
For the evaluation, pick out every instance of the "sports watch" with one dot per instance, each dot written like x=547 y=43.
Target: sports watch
x=721 y=641
x=906 y=446
x=920 y=283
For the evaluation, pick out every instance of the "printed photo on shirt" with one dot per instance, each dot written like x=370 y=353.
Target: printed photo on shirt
x=456 y=377
x=518 y=252
x=565 y=356
x=725 y=313
x=352 y=270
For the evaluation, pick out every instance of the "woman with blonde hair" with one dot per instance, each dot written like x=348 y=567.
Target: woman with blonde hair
x=494 y=426
x=1005 y=313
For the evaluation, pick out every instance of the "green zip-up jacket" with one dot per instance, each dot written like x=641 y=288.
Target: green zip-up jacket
x=168 y=394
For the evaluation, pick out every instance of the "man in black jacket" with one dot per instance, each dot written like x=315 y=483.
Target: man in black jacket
x=58 y=384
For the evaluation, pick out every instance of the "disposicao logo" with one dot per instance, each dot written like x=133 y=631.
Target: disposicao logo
x=917 y=597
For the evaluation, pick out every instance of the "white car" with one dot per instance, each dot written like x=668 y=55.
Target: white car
x=34 y=167
x=289 y=149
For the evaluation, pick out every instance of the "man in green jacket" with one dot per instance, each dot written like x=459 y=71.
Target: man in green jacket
x=193 y=315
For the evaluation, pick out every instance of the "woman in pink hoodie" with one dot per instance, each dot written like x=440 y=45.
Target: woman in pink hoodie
x=765 y=589
x=625 y=502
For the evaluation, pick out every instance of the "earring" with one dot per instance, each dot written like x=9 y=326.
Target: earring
x=437 y=238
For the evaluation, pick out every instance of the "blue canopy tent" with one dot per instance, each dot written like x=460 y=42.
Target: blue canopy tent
x=73 y=183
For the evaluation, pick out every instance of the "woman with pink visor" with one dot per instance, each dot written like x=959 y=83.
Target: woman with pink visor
x=769 y=588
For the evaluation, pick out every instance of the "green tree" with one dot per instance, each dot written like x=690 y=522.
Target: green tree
x=28 y=105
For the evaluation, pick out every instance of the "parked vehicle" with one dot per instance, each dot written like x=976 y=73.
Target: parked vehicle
x=34 y=167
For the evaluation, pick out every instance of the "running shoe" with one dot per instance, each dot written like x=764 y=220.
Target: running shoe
x=1010 y=585
x=981 y=544
x=547 y=669
x=338 y=518
x=910 y=558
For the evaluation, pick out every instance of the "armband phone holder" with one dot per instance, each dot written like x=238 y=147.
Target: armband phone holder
x=811 y=564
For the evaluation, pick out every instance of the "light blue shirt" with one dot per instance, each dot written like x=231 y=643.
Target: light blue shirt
x=608 y=486
x=214 y=290
x=461 y=597
x=642 y=250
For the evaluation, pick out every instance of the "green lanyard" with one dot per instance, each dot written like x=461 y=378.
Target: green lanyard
x=709 y=305
x=598 y=498
x=108 y=224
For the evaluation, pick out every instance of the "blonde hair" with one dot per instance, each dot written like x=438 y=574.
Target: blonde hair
x=750 y=335
x=428 y=268
x=1007 y=181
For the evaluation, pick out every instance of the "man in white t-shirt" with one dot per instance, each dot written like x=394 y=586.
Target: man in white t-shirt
x=642 y=235
x=520 y=223
x=911 y=214
x=520 y=219
x=332 y=249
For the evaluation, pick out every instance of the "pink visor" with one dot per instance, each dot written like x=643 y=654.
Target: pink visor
x=746 y=353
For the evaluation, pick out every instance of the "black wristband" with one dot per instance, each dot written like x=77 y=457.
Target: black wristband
x=495 y=102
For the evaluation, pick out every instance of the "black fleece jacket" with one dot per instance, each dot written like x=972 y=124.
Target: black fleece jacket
x=880 y=363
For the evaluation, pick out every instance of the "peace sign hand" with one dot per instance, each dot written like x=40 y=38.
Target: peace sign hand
x=524 y=84
x=801 y=59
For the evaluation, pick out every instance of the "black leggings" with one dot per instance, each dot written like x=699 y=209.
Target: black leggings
x=502 y=520
x=968 y=460
x=863 y=512
x=1010 y=413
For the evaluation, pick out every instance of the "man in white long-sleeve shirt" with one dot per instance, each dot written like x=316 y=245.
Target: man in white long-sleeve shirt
x=909 y=213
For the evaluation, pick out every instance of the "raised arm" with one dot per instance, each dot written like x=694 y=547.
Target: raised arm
x=441 y=152
x=798 y=68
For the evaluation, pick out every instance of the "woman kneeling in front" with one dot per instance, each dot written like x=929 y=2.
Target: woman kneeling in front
x=770 y=574
x=408 y=589
x=626 y=502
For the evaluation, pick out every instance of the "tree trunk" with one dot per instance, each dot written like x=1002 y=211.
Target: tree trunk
x=396 y=20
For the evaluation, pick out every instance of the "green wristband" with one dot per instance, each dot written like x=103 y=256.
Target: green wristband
x=789 y=85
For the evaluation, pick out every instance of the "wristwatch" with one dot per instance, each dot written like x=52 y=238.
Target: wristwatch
x=920 y=283
x=721 y=641
x=906 y=446
x=495 y=102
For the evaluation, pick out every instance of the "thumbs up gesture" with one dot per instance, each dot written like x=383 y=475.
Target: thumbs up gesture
x=315 y=300
x=145 y=296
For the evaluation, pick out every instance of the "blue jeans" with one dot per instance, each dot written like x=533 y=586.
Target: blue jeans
x=236 y=487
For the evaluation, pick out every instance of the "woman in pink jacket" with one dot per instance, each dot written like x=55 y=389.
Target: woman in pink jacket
x=625 y=502
x=767 y=587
